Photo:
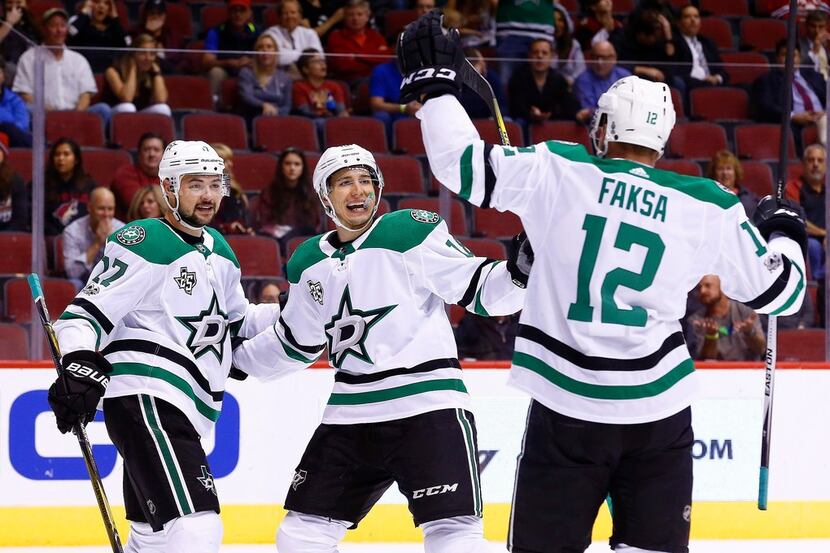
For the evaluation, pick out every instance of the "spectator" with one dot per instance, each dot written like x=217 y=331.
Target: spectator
x=154 y=23
x=134 y=81
x=146 y=204
x=568 y=58
x=67 y=186
x=269 y=292
x=290 y=35
x=264 y=89
x=725 y=330
x=84 y=239
x=599 y=25
x=811 y=198
x=519 y=24
x=233 y=216
x=807 y=90
x=14 y=117
x=98 y=27
x=385 y=95
x=132 y=177
x=536 y=92
x=646 y=46
x=601 y=74
x=67 y=75
x=726 y=169
x=472 y=102
x=16 y=15
x=287 y=206
x=814 y=42
x=314 y=95
x=237 y=34
x=424 y=6
x=486 y=337
x=474 y=21
x=321 y=15
x=15 y=213
x=357 y=48
x=697 y=57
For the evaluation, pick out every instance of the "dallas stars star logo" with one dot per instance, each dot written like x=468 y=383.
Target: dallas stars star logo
x=207 y=480
x=186 y=280
x=348 y=329
x=207 y=331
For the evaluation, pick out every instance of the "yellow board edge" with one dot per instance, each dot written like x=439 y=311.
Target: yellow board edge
x=72 y=526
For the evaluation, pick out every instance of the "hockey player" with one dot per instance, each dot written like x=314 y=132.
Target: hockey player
x=151 y=333
x=618 y=244
x=373 y=291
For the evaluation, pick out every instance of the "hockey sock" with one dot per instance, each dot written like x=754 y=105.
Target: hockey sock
x=197 y=533
x=463 y=534
x=142 y=539
x=299 y=533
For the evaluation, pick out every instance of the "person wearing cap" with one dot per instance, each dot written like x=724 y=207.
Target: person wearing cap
x=67 y=74
x=14 y=117
x=98 y=27
x=153 y=21
x=15 y=213
x=237 y=33
x=291 y=36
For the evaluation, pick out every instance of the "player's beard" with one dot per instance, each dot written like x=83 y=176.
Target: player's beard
x=194 y=220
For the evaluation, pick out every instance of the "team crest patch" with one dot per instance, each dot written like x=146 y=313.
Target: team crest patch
x=772 y=262
x=316 y=290
x=423 y=216
x=299 y=478
x=207 y=480
x=129 y=236
x=186 y=280
x=91 y=289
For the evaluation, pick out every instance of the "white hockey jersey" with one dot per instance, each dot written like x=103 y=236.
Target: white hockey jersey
x=617 y=246
x=378 y=303
x=161 y=307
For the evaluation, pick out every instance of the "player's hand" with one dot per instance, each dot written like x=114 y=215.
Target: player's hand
x=520 y=260
x=784 y=217
x=430 y=58
x=75 y=394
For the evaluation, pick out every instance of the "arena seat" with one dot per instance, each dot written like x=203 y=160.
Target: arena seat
x=486 y=247
x=20 y=160
x=254 y=170
x=407 y=137
x=127 y=128
x=677 y=102
x=568 y=131
x=14 y=341
x=744 y=67
x=682 y=166
x=718 y=103
x=226 y=128
x=459 y=218
x=492 y=223
x=757 y=177
x=293 y=244
x=84 y=127
x=229 y=95
x=696 y=140
x=761 y=142
x=101 y=164
x=258 y=256
x=761 y=33
x=179 y=18
x=801 y=345
x=17 y=254
x=396 y=20
x=369 y=132
x=490 y=134
x=212 y=15
x=727 y=8
x=401 y=174
x=58 y=292
x=188 y=92
x=276 y=133
x=270 y=16
x=719 y=30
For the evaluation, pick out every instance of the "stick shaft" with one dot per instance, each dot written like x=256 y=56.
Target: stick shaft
x=79 y=430
x=478 y=84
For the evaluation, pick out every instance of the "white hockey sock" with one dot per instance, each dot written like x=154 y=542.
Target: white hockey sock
x=623 y=548
x=142 y=539
x=196 y=533
x=299 y=533
x=463 y=534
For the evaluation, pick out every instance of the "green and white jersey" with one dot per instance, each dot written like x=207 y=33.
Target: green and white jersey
x=161 y=307
x=378 y=304
x=617 y=247
x=527 y=18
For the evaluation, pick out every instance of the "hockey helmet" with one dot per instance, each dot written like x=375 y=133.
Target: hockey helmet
x=341 y=157
x=634 y=111
x=189 y=157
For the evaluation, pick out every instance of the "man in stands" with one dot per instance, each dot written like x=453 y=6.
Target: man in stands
x=361 y=48
x=131 y=177
x=599 y=77
x=84 y=238
x=238 y=34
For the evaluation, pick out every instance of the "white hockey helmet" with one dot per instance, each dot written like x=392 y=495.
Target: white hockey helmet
x=189 y=157
x=634 y=111
x=341 y=157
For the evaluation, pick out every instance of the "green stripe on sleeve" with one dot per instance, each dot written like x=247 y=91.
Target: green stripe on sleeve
x=795 y=293
x=450 y=384
x=466 y=173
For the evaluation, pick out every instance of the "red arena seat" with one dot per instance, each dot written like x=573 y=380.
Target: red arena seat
x=401 y=174
x=17 y=254
x=696 y=140
x=85 y=128
x=216 y=127
x=273 y=134
x=486 y=247
x=490 y=134
x=186 y=92
x=127 y=128
x=761 y=142
x=254 y=171
x=407 y=137
x=744 y=67
x=720 y=103
x=101 y=164
x=496 y=224
x=757 y=177
x=14 y=341
x=760 y=33
x=368 y=132
x=58 y=292
x=682 y=166
x=568 y=131
x=719 y=30
x=258 y=256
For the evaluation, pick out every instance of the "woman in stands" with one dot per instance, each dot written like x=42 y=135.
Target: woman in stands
x=287 y=206
x=134 y=81
x=264 y=89
x=314 y=95
x=233 y=216
x=15 y=213
x=67 y=186
x=97 y=26
x=568 y=57
x=154 y=23
x=16 y=15
x=726 y=169
x=146 y=204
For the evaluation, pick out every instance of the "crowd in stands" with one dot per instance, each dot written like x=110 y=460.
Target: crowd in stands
x=325 y=60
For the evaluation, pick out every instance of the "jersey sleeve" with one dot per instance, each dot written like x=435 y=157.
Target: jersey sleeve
x=504 y=178
x=449 y=270
x=769 y=276
x=291 y=344
x=248 y=319
x=114 y=289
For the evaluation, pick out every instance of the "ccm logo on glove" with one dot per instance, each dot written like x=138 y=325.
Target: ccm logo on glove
x=88 y=372
x=429 y=73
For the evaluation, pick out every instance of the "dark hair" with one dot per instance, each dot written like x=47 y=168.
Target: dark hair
x=279 y=196
x=305 y=58
x=150 y=135
x=564 y=43
x=53 y=179
x=782 y=45
x=816 y=16
x=535 y=40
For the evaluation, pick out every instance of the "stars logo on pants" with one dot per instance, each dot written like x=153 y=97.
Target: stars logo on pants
x=348 y=329
x=207 y=480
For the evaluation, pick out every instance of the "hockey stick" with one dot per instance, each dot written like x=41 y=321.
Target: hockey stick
x=478 y=84
x=772 y=326
x=79 y=430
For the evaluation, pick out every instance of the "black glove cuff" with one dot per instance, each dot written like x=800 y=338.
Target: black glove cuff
x=87 y=357
x=429 y=82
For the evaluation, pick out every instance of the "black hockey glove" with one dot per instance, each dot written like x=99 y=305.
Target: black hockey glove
x=430 y=59
x=75 y=394
x=520 y=260
x=787 y=218
x=237 y=374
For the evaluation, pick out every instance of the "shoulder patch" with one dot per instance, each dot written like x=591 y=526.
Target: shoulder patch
x=131 y=235
x=307 y=254
x=424 y=216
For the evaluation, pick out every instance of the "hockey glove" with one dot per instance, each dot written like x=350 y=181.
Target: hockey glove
x=75 y=394
x=430 y=59
x=520 y=260
x=785 y=217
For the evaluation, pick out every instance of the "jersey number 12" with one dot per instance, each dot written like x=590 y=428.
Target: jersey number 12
x=627 y=236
